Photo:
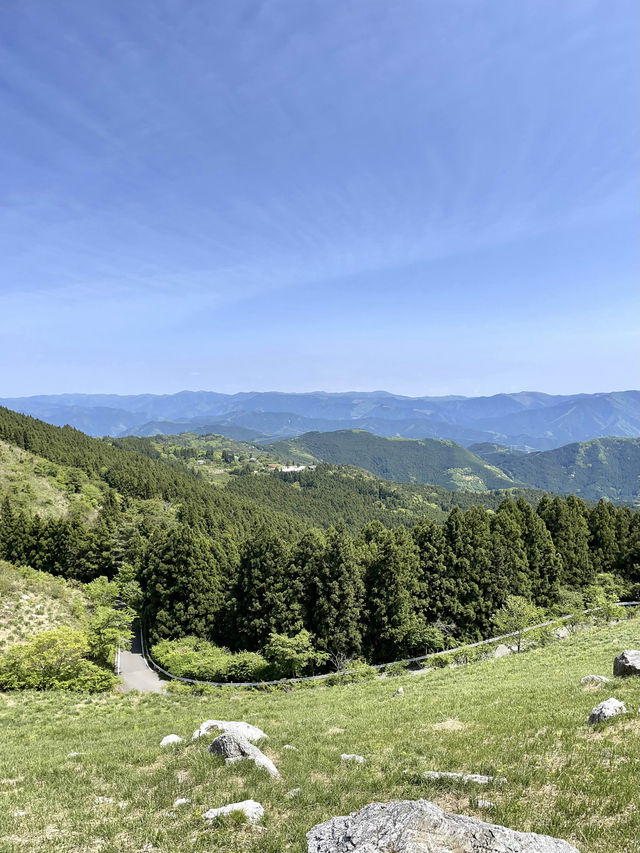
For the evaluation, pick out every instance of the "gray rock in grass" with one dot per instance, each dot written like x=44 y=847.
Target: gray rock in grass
x=169 y=739
x=234 y=748
x=236 y=727
x=478 y=778
x=252 y=810
x=422 y=827
x=594 y=679
x=627 y=663
x=606 y=710
x=350 y=756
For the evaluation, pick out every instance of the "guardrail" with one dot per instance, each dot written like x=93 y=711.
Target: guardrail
x=153 y=665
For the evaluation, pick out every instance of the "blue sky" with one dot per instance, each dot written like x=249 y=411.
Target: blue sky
x=426 y=196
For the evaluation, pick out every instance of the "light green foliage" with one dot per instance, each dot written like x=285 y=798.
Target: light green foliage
x=193 y=657
x=102 y=592
x=108 y=629
x=523 y=717
x=515 y=615
x=293 y=656
x=53 y=659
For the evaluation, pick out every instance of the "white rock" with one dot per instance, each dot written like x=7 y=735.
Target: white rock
x=73 y=754
x=627 y=663
x=101 y=800
x=25 y=597
x=234 y=748
x=502 y=651
x=486 y=804
x=606 y=710
x=292 y=748
x=293 y=793
x=562 y=633
x=253 y=811
x=465 y=777
x=168 y=739
x=399 y=692
x=19 y=814
x=422 y=827
x=245 y=730
x=350 y=756
x=181 y=801
x=594 y=679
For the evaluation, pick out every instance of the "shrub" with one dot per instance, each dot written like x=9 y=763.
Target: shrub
x=395 y=669
x=291 y=656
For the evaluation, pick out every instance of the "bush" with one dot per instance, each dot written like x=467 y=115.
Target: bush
x=395 y=669
x=193 y=657
x=292 y=656
x=53 y=660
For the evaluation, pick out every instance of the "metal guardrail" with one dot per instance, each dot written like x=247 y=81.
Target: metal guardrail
x=340 y=673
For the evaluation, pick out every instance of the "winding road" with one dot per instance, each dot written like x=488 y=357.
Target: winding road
x=135 y=672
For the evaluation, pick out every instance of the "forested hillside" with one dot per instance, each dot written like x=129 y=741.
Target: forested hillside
x=442 y=463
x=238 y=564
x=603 y=467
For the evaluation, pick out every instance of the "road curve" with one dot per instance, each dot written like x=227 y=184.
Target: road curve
x=135 y=673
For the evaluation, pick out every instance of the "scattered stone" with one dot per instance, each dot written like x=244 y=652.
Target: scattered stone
x=181 y=801
x=123 y=804
x=502 y=651
x=628 y=663
x=465 y=777
x=563 y=632
x=234 y=748
x=606 y=710
x=25 y=597
x=293 y=793
x=399 y=692
x=245 y=730
x=594 y=679
x=253 y=811
x=170 y=739
x=101 y=800
x=422 y=827
x=486 y=804
x=335 y=731
x=350 y=756
x=19 y=814
x=288 y=746
x=73 y=754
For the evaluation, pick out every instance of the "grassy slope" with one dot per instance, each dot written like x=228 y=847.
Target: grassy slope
x=33 y=601
x=521 y=716
x=429 y=460
x=44 y=487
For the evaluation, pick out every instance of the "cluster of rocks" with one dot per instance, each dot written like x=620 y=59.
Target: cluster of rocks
x=624 y=665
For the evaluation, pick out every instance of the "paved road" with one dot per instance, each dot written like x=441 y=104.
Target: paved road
x=135 y=673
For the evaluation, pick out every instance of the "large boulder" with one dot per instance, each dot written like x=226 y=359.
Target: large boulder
x=234 y=748
x=419 y=826
x=606 y=710
x=245 y=730
x=628 y=663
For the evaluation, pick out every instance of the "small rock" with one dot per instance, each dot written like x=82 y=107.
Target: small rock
x=465 y=777
x=253 y=811
x=101 y=800
x=563 y=632
x=181 y=801
x=399 y=692
x=234 y=748
x=422 y=827
x=594 y=679
x=486 y=804
x=288 y=746
x=19 y=814
x=168 y=739
x=245 y=730
x=627 y=663
x=73 y=754
x=502 y=651
x=293 y=793
x=123 y=804
x=606 y=710
x=349 y=756
x=25 y=597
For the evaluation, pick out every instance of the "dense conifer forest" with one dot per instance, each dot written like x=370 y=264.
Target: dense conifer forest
x=237 y=565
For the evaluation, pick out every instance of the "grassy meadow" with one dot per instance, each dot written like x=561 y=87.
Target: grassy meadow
x=523 y=717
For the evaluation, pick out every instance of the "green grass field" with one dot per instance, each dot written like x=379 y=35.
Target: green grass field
x=523 y=717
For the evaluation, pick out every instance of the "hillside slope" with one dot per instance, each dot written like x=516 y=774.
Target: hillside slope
x=604 y=467
x=442 y=463
x=527 y=722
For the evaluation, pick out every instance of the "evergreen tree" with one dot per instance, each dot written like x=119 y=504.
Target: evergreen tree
x=181 y=585
x=335 y=593
x=391 y=573
x=543 y=561
x=268 y=595
x=566 y=521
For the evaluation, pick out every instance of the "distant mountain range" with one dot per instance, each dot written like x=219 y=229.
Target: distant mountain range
x=526 y=420
x=607 y=467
